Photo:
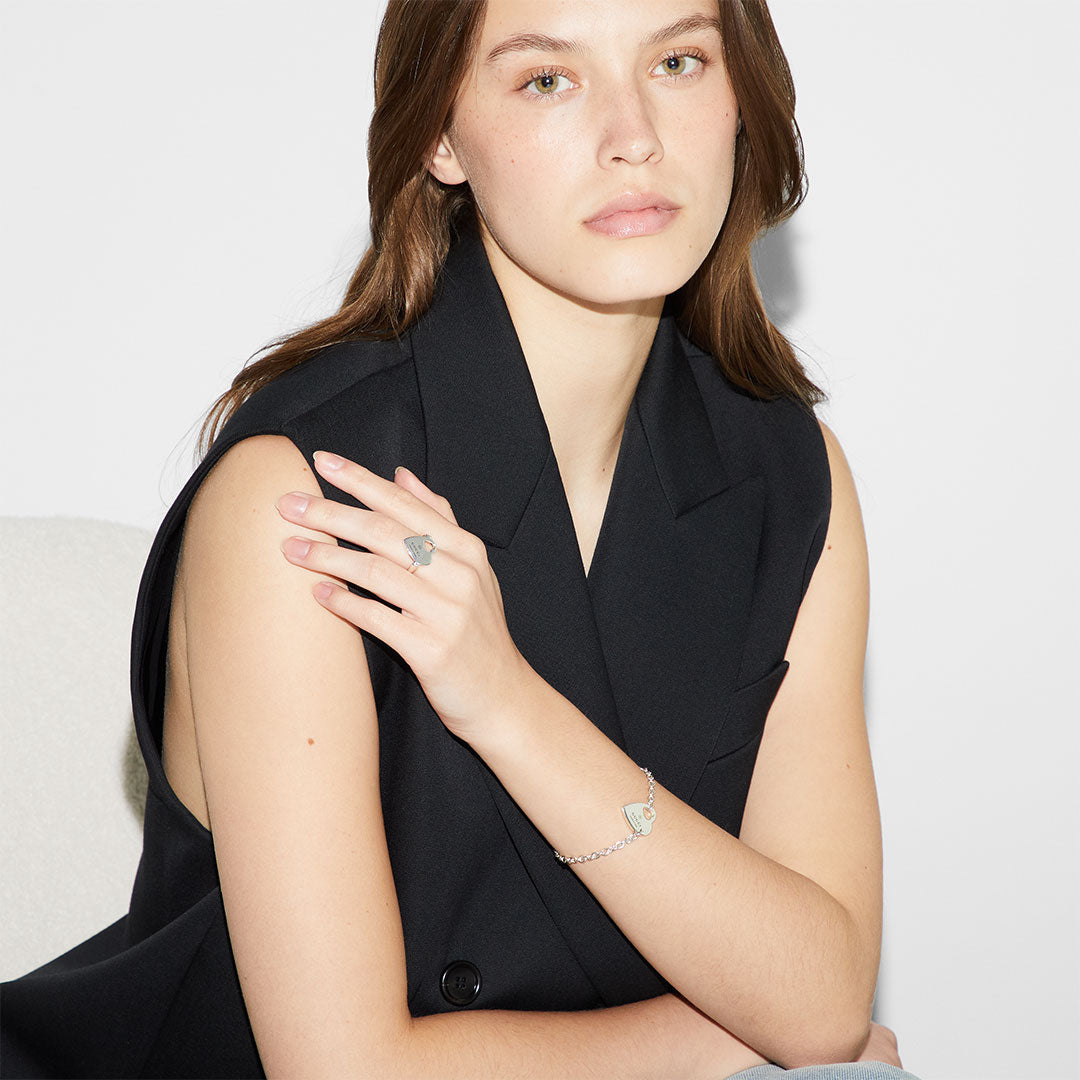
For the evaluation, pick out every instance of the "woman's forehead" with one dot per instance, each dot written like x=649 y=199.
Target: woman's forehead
x=513 y=27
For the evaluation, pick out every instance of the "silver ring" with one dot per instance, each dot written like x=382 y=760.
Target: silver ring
x=419 y=553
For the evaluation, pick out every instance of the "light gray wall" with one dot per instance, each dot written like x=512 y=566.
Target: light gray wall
x=186 y=182
x=929 y=277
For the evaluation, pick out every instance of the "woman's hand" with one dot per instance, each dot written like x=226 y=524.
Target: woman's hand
x=451 y=629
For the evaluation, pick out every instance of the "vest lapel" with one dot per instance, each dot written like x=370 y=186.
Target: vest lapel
x=673 y=575
x=647 y=646
x=490 y=454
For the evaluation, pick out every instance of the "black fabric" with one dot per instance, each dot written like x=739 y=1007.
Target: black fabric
x=673 y=645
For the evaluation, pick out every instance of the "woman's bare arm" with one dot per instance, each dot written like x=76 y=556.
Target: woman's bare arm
x=288 y=749
x=775 y=935
x=664 y=1037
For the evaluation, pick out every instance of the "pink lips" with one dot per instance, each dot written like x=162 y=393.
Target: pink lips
x=633 y=214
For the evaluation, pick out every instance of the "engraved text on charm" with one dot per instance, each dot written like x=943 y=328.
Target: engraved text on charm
x=420 y=555
x=640 y=817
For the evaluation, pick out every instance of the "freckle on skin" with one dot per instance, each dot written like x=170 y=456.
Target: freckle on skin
x=311 y=742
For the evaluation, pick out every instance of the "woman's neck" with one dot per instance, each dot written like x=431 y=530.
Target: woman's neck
x=585 y=363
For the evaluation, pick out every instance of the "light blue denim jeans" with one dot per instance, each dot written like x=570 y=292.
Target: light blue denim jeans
x=848 y=1070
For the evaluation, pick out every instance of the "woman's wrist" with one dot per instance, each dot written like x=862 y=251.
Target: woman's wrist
x=522 y=698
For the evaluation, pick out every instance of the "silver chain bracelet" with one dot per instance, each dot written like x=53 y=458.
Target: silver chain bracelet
x=639 y=816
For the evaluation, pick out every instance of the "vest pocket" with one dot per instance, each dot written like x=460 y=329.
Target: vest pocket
x=748 y=707
x=720 y=793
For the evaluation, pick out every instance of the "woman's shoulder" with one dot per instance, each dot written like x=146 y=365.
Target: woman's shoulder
x=779 y=436
x=317 y=382
x=309 y=406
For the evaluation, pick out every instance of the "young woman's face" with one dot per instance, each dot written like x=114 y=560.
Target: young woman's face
x=548 y=135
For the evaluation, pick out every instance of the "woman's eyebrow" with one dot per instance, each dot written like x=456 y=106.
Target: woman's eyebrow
x=529 y=42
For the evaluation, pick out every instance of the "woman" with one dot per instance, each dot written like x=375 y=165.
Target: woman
x=537 y=788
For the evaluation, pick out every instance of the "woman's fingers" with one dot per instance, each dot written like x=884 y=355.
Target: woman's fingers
x=400 y=508
x=401 y=501
x=396 y=511
x=384 y=539
x=411 y=482
x=396 y=629
x=386 y=578
x=375 y=531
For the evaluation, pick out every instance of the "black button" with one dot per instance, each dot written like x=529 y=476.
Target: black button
x=460 y=982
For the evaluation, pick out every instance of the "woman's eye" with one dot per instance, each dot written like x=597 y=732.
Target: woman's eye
x=677 y=62
x=546 y=84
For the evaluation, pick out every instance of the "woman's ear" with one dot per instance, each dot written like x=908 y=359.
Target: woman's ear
x=444 y=164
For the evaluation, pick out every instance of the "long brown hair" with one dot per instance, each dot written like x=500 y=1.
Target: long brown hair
x=720 y=308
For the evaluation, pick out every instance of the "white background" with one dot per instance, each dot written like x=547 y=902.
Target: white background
x=185 y=182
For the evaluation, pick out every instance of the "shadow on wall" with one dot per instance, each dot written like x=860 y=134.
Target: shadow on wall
x=133 y=771
x=776 y=269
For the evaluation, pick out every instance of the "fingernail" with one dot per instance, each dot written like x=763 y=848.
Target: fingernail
x=294 y=502
x=296 y=546
x=328 y=460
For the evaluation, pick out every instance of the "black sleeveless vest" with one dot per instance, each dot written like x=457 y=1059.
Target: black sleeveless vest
x=673 y=645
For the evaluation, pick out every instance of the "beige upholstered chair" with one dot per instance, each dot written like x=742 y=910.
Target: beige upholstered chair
x=72 y=782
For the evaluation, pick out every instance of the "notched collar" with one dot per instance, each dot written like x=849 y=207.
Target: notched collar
x=487 y=440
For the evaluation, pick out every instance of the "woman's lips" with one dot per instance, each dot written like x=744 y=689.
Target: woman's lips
x=633 y=222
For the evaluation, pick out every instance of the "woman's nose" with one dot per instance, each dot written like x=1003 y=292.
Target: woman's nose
x=628 y=130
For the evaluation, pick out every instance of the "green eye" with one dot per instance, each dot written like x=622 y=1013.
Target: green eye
x=546 y=82
x=680 y=61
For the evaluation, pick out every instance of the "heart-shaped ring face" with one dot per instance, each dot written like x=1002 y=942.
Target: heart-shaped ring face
x=417 y=549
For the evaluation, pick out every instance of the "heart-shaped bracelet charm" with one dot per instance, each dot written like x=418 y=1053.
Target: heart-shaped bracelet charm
x=640 y=817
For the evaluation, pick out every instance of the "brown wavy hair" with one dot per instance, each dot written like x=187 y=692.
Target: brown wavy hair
x=423 y=53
